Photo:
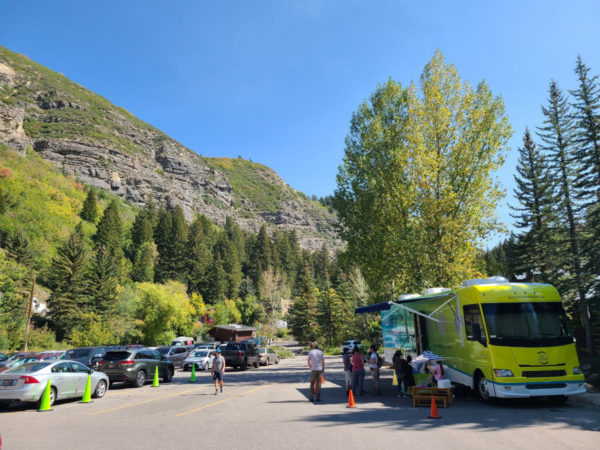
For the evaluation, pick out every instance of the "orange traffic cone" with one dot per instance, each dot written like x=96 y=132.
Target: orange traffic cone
x=350 y=400
x=434 y=412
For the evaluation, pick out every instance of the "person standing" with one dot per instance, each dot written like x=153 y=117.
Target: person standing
x=397 y=364
x=374 y=366
x=358 y=372
x=347 y=369
x=217 y=371
x=316 y=364
x=408 y=376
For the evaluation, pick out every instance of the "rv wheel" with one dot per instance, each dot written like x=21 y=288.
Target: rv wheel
x=482 y=388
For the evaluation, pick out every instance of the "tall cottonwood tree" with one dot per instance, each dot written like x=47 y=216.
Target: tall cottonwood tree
x=415 y=193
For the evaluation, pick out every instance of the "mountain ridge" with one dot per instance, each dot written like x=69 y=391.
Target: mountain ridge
x=107 y=147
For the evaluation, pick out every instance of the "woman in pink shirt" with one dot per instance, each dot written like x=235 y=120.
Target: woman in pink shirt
x=358 y=371
x=438 y=371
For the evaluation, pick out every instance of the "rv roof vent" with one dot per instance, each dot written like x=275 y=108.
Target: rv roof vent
x=436 y=290
x=407 y=296
x=490 y=280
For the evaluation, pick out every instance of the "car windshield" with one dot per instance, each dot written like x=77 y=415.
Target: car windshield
x=163 y=350
x=28 y=367
x=200 y=354
x=261 y=350
x=116 y=356
x=532 y=324
x=77 y=353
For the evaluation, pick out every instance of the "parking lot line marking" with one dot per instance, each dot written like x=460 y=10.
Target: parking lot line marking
x=147 y=401
x=233 y=397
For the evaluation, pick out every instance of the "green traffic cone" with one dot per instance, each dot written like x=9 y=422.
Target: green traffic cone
x=45 y=405
x=193 y=376
x=155 y=382
x=87 y=394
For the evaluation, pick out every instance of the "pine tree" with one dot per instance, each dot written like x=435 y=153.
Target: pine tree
x=89 y=211
x=302 y=315
x=226 y=252
x=587 y=116
x=534 y=192
x=102 y=284
x=109 y=233
x=162 y=234
x=141 y=230
x=171 y=237
x=199 y=259
x=322 y=267
x=143 y=265
x=67 y=280
x=557 y=137
x=587 y=135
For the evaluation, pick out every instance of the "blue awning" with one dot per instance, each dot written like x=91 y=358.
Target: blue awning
x=372 y=308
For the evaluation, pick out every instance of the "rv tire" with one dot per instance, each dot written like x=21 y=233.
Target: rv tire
x=481 y=388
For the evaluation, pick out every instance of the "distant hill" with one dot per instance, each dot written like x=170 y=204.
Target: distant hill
x=102 y=145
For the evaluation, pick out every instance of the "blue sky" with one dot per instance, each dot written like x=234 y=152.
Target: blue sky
x=277 y=81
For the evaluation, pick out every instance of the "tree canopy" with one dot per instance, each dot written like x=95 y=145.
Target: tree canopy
x=415 y=193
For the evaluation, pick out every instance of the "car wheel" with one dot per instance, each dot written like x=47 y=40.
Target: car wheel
x=256 y=364
x=4 y=405
x=168 y=375
x=245 y=364
x=100 y=389
x=482 y=389
x=277 y=360
x=52 y=397
x=140 y=379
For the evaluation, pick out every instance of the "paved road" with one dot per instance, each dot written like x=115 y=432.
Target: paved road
x=268 y=408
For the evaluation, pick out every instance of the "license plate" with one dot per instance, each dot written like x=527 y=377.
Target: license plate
x=111 y=366
x=9 y=382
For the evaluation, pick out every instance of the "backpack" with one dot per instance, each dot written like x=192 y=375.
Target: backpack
x=379 y=360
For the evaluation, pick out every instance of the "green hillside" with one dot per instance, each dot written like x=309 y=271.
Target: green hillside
x=41 y=203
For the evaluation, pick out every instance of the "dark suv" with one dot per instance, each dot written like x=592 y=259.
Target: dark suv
x=87 y=355
x=135 y=366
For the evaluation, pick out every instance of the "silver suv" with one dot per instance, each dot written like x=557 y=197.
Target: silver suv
x=176 y=353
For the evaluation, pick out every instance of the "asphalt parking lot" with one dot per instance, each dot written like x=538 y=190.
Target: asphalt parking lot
x=268 y=408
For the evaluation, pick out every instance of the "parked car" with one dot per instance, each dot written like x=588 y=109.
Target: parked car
x=87 y=355
x=267 y=356
x=206 y=345
x=34 y=357
x=176 y=353
x=201 y=358
x=350 y=345
x=240 y=354
x=3 y=357
x=135 y=366
x=13 y=357
x=183 y=340
x=26 y=383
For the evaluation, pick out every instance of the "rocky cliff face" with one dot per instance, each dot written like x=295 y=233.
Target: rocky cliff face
x=107 y=147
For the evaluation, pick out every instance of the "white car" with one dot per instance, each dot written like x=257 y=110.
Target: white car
x=350 y=345
x=201 y=358
x=26 y=383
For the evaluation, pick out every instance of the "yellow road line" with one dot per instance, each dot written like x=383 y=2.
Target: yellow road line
x=147 y=401
x=223 y=401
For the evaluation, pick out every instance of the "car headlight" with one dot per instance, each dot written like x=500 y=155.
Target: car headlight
x=577 y=371
x=503 y=373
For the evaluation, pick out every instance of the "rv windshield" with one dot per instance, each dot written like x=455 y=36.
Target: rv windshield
x=526 y=324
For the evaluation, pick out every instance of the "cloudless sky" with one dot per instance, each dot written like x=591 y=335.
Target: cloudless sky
x=277 y=81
